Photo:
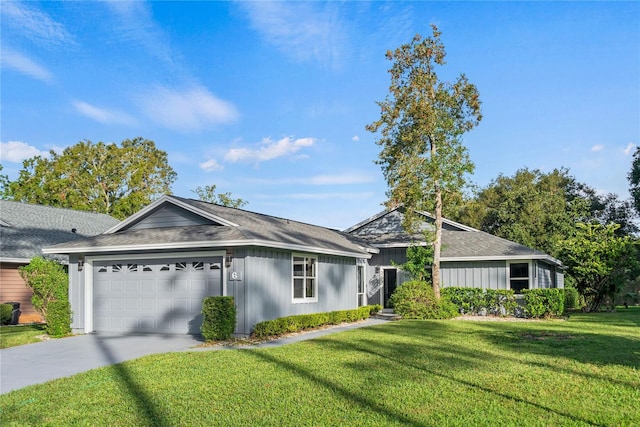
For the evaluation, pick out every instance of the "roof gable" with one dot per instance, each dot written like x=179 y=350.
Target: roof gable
x=390 y=222
x=225 y=227
x=170 y=211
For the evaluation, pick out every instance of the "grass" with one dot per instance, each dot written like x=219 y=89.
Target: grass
x=584 y=371
x=12 y=336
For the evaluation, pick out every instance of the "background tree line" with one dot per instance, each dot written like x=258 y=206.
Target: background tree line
x=116 y=180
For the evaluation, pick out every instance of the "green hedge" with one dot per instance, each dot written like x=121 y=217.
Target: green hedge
x=415 y=299
x=218 y=318
x=6 y=310
x=58 y=318
x=498 y=302
x=302 y=322
x=571 y=298
x=543 y=302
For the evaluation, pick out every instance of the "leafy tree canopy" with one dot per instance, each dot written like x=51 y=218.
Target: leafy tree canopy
x=598 y=262
x=634 y=180
x=208 y=194
x=420 y=127
x=106 y=178
x=538 y=209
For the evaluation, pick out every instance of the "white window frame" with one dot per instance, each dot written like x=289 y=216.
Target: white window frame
x=305 y=276
x=361 y=274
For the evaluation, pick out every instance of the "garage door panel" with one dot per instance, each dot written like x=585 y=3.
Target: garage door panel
x=153 y=295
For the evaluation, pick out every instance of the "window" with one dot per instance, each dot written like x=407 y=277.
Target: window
x=519 y=276
x=360 y=284
x=305 y=279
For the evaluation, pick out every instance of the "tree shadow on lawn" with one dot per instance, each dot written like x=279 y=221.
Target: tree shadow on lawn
x=562 y=341
x=361 y=400
x=451 y=357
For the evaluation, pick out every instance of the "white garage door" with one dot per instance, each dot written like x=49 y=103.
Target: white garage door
x=154 y=295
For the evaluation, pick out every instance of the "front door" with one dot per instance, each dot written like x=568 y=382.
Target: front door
x=390 y=283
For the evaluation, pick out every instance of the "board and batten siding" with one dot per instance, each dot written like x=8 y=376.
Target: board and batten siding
x=268 y=275
x=170 y=215
x=474 y=274
x=76 y=294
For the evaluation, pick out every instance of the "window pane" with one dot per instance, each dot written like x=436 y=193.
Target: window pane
x=298 y=267
x=309 y=290
x=360 y=300
x=311 y=267
x=518 y=284
x=298 y=288
x=520 y=270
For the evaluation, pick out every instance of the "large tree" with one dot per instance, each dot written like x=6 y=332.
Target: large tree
x=208 y=194
x=537 y=209
x=634 y=179
x=106 y=178
x=420 y=127
x=599 y=263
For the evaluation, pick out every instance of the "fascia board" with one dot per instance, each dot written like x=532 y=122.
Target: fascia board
x=202 y=244
x=502 y=258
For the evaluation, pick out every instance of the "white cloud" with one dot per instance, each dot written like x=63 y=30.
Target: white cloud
x=103 y=115
x=303 y=30
x=597 y=147
x=629 y=149
x=34 y=24
x=269 y=150
x=355 y=138
x=189 y=110
x=24 y=65
x=211 y=165
x=16 y=151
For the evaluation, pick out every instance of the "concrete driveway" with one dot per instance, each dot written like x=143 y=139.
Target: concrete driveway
x=41 y=362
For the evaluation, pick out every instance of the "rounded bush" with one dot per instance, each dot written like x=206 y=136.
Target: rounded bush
x=416 y=300
x=6 y=311
x=571 y=298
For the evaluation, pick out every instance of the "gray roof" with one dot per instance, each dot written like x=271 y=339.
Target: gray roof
x=25 y=228
x=243 y=228
x=458 y=243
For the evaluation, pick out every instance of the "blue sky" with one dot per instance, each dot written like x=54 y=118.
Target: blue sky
x=269 y=100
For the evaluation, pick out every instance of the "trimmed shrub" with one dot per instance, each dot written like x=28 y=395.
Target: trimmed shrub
x=58 y=318
x=571 y=298
x=218 y=318
x=301 y=322
x=543 y=302
x=6 y=311
x=48 y=281
x=416 y=300
x=499 y=302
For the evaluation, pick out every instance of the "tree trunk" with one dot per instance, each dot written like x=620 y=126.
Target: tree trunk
x=437 y=244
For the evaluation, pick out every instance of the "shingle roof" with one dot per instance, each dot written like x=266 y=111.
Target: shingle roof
x=26 y=228
x=463 y=243
x=250 y=229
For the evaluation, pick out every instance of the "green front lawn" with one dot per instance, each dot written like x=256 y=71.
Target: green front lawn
x=11 y=336
x=585 y=371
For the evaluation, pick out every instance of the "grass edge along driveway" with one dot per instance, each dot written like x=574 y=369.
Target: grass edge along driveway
x=584 y=371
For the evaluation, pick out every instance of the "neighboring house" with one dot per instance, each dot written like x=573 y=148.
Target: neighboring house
x=151 y=272
x=24 y=230
x=470 y=258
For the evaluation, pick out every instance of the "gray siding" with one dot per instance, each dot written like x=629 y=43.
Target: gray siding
x=170 y=215
x=546 y=277
x=268 y=282
x=474 y=274
x=76 y=294
x=389 y=257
